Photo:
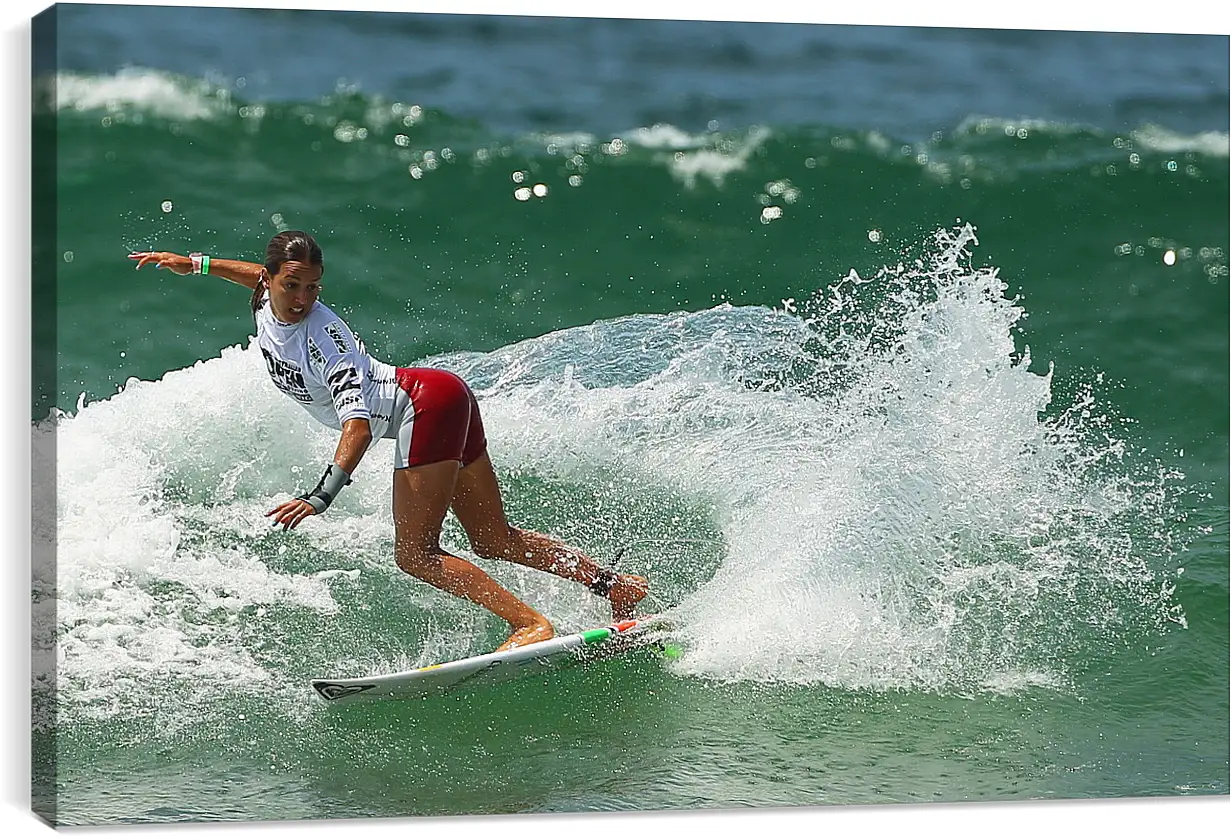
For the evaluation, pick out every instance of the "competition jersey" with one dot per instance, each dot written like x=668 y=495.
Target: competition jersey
x=319 y=363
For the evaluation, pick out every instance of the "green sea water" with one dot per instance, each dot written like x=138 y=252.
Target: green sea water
x=919 y=430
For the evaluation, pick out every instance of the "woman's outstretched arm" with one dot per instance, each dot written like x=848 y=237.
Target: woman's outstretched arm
x=242 y=273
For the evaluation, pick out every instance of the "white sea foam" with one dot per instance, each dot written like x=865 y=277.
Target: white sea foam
x=896 y=511
x=716 y=164
x=1021 y=127
x=1157 y=138
x=1148 y=137
x=152 y=91
x=157 y=490
x=665 y=136
x=570 y=141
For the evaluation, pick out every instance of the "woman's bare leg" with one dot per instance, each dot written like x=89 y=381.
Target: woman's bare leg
x=421 y=496
x=479 y=508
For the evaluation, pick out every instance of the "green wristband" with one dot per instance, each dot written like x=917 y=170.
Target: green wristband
x=204 y=264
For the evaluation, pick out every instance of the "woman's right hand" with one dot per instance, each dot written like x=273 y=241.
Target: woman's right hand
x=173 y=262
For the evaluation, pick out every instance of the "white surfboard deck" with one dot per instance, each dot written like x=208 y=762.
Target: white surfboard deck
x=495 y=667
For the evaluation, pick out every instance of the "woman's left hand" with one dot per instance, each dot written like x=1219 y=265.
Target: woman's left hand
x=289 y=514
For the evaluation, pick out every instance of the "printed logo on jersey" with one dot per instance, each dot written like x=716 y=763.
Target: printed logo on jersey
x=348 y=403
x=315 y=355
x=343 y=379
x=286 y=376
x=344 y=387
x=339 y=340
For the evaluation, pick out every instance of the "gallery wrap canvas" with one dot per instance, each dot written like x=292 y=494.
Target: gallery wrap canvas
x=892 y=358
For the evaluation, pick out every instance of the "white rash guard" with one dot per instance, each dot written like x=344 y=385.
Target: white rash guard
x=319 y=363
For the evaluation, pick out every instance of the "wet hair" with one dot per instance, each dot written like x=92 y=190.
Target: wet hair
x=287 y=246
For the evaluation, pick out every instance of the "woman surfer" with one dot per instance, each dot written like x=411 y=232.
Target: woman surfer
x=440 y=453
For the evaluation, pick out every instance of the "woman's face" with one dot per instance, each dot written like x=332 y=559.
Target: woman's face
x=293 y=291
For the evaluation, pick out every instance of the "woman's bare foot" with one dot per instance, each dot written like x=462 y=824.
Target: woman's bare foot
x=627 y=591
x=524 y=636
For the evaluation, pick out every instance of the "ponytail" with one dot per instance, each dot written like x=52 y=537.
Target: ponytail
x=257 y=293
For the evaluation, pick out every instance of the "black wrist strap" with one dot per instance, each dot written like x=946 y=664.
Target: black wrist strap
x=327 y=488
x=604 y=581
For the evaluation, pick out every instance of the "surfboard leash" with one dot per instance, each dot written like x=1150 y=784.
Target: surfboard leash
x=652 y=594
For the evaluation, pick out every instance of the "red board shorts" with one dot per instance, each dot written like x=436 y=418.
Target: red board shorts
x=440 y=421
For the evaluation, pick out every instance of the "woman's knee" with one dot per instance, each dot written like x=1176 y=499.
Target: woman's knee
x=416 y=558
x=497 y=543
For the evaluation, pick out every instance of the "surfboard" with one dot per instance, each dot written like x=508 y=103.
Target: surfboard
x=496 y=667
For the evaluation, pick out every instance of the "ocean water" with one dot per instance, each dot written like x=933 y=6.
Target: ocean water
x=895 y=358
